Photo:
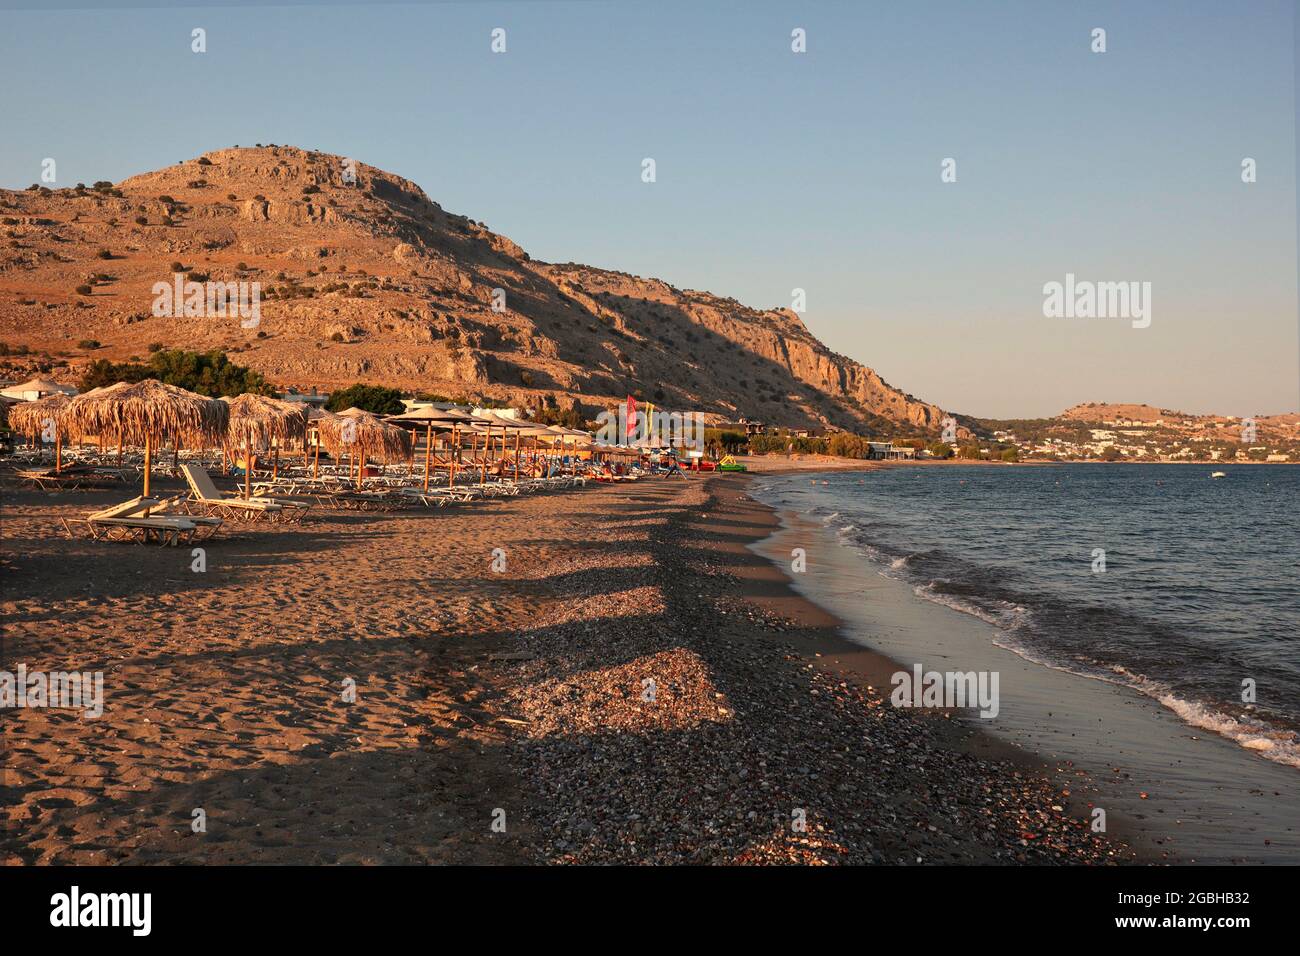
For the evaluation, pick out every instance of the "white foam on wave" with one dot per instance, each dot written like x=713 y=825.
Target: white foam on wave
x=1281 y=746
x=1004 y=614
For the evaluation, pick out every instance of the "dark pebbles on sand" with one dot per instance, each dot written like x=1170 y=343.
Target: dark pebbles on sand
x=666 y=718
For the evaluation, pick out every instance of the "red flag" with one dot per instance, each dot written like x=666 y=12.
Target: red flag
x=631 y=416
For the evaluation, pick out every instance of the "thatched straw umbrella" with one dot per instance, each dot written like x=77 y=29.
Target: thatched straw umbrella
x=315 y=418
x=146 y=413
x=364 y=435
x=529 y=430
x=105 y=390
x=256 y=420
x=35 y=419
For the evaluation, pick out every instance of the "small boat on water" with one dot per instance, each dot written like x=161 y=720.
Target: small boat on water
x=1219 y=474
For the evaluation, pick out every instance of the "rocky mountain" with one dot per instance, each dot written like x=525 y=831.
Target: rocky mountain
x=364 y=278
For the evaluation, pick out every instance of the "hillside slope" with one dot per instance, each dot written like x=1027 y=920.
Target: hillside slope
x=364 y=278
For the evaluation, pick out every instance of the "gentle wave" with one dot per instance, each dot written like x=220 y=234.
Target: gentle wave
x=1017 y=625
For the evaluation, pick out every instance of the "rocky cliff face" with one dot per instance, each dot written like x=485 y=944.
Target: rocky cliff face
x=364 y=278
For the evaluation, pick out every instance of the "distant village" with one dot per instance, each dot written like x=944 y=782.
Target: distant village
x=1177 y=438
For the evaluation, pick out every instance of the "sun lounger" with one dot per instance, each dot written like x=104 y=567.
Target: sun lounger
x=364 y=500
x=130 y=521
x=178 y=507
x=329 y=491
x=71 y=478
x=204 y=494
x=432 y=498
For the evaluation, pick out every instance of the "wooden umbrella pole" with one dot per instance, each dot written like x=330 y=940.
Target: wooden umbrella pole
x=58 y=452
x=146 y=464
x=455 y=453
x=361 y=466
x=315 y=468
x=248 y=467
x=428 y=451
x=275 y=463
x=516 y=456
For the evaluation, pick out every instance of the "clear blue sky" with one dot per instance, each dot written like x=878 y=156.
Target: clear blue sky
x=775 y=170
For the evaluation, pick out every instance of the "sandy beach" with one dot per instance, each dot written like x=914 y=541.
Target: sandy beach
x=637 y=686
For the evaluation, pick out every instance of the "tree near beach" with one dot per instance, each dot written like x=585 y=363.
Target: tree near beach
x=368 y=398
x=206 y=373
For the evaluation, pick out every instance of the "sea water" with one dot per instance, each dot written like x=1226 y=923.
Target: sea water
x=1160 y=578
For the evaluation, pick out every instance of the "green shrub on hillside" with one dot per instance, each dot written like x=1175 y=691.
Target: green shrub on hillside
x=370 y=398
x=208 y=373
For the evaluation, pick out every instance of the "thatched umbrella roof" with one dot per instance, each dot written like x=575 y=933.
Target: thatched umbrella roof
x=256 y=420
x=147 y=413
x=29 y=418
x=359 y=432
x=571 y=436
x=148 y=410
x=534 y=430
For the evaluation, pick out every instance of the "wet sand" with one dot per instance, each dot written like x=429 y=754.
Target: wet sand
x=636 y=686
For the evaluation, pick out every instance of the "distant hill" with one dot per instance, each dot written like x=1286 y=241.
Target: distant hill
x=364 y=278
x=1107 y=411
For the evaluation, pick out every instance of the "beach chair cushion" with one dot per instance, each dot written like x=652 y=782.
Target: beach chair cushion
x=123 y=510
x=204 y=490
x=200 y=483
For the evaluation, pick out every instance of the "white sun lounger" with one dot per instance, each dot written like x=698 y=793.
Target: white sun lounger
x=129 y=521
x=206 y=495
